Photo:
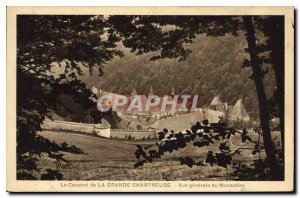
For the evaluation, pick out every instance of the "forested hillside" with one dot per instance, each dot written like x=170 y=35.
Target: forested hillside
x=213 y=67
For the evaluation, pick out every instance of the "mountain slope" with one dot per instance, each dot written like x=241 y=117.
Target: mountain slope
x=213 y=67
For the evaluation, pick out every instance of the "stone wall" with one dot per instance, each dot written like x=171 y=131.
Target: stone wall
x=102 y=132
x=68 y=126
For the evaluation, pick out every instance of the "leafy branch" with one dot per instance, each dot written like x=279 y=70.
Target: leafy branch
x=202 y=134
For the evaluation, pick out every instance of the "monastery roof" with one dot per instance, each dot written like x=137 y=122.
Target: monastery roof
x=179 y=122
x=103 y=125
x=215 y=100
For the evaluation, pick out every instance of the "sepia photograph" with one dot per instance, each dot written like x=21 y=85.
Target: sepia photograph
x=151 y=99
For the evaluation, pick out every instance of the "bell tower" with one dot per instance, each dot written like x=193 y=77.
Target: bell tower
x=133 y=93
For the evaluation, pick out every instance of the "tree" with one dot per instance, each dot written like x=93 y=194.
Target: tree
x=273 y=29
x=43 y=42
x=171 y=44
x=263 y=104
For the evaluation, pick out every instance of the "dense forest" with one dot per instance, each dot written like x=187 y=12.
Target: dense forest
x=213 y=67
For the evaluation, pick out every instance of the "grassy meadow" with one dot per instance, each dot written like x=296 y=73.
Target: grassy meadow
x=112 y=159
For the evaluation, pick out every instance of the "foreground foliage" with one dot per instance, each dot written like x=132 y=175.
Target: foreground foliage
x=203 y=135
x=42 y=43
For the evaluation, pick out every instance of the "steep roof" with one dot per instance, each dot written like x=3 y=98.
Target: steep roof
x=220 y=107
x=230 y=111
x=103 y=125
x=238 y=110
x=215 y=100
x=178 y=123
x=134 y=122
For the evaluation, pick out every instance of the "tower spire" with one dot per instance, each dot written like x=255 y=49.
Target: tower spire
x=172 y=92
x=151 y=91
x=133 y=93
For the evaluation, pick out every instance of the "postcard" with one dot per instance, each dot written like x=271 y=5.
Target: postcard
x=150 y=99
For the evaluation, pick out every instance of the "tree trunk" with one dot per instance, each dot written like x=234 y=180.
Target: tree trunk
x=276 y=30
x=262 y=99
